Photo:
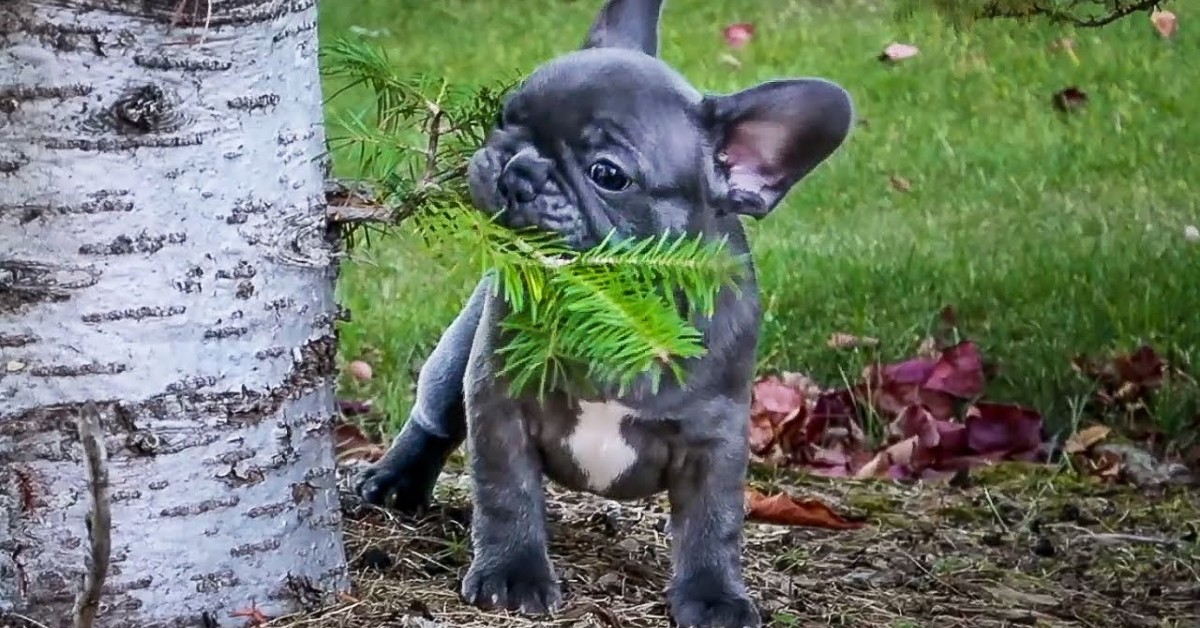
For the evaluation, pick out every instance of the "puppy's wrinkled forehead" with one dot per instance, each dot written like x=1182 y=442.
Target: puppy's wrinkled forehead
x=589 y=94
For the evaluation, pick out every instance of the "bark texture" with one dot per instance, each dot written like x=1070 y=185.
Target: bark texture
x=166 y=277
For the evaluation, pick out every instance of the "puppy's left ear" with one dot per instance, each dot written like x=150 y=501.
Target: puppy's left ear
x=771 y=136
x=629 y=24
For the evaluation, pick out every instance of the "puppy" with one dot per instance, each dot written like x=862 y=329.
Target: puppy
x=608 y=138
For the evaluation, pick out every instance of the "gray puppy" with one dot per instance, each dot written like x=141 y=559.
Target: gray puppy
x=611 y=138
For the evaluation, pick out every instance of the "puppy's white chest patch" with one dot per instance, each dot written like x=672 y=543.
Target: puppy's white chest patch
x=596 y=444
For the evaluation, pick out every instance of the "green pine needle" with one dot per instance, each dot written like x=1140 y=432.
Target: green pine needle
x=577 y=320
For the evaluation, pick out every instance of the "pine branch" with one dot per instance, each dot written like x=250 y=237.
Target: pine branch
x=601 y=318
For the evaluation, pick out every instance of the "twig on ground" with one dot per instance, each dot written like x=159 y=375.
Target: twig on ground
x=99 y=518
x=29 y=620
x=995 y=511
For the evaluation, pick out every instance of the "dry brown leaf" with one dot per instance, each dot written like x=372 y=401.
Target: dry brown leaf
x=900 y=184
x=783 y=509
x=1083 y=440
x=805 y=384
x=1106 y=465
x=898 y=453
x=850 y=341
x=1165 y=23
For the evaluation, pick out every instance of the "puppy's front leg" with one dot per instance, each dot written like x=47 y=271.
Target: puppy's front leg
x=706 y=528
x=511 y=566
x=405 y=477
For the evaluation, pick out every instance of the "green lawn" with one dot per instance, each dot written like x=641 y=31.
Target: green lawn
x=1050 y=234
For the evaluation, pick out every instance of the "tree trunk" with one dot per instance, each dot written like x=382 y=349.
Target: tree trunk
x=166 y=296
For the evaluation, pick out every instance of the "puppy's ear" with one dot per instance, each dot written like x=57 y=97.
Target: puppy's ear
x=771 y=136
x=631 y=24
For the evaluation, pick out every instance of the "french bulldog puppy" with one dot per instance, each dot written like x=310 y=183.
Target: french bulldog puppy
x=608 y=138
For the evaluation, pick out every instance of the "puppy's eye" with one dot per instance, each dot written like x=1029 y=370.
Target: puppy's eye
x=608 y=175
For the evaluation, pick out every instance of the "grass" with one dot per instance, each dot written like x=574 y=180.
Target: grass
x=1050 y=234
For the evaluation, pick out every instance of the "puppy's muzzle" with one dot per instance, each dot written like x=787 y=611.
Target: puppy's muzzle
x=523 y=178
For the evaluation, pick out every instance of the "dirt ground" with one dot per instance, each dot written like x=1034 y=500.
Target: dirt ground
x=1010 y=546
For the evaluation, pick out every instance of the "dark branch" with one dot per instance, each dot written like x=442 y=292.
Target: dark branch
x=1117 y=10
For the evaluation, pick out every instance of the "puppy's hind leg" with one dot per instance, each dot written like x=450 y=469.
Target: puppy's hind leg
x=404 y=478
x=707 y=515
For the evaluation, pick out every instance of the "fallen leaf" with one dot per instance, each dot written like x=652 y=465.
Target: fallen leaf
x=849 y=341
x=900 y=184
x=1165 y=23
x=916 y=421
x=892 y=461
x=350 y=443
x=958 y=372
x=772 y=402
x=1069 y=99
x=783 y=509
x=893 y=387
x=738 y=35
x=762 y=433
x=1124 y=382
x=805 y=384
x=1083 y=440
x=773 y=395
x=826 y=439
x=1106 y=465
x=898 y=52
x=1142 y=367
x=1007 y=430
x=359 y=370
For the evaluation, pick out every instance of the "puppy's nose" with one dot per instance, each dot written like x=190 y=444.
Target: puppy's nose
x=523 y=177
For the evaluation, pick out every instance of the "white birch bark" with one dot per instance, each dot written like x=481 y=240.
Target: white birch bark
x=165 y=268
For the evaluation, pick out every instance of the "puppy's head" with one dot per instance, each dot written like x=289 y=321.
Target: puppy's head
x=610 y=137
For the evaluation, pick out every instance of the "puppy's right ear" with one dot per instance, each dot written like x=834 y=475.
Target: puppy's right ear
x=771 y=136
x=630 y=24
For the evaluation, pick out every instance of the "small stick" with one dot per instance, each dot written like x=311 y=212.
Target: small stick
x=99 y=518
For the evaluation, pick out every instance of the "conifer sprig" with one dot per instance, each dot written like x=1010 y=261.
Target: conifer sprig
x=610 y=315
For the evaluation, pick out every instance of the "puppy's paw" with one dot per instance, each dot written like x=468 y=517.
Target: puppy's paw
x=526 y=585
x=394 y=486
x=710 y=606
x=404 y=478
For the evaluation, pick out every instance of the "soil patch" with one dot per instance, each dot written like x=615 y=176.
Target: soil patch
x=1014 y=545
